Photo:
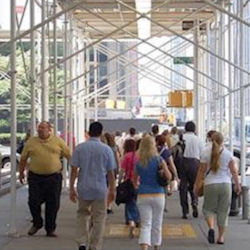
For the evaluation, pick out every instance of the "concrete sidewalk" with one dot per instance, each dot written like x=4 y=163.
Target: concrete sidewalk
x=178 y=234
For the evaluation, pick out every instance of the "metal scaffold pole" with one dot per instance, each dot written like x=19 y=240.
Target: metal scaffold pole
x=216 y=95
x=70 y=90
x=55 y=69
x=196 y=87
x=230 y=77
x=87 y=78
x=95 y=82
x=81 y=107
x=208 y=81
x=13 y=118
x=65 y=122
x=242 y=118
x=32 y=68
x=44 y=75
x=220 y=69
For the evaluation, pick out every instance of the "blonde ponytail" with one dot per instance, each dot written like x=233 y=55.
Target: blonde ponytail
x=217 y=140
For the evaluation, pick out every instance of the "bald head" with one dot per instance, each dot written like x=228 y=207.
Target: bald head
x=44 y=130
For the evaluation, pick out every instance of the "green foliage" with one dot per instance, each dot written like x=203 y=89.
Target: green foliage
x=23 y=84
x=5 y=138
x=4 y=123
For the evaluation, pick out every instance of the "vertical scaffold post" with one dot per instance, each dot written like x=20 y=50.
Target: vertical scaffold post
x=13 y=117
x=208 y=81
x=231 y=105
x=96 y=82
x=196 y=87
x=220 y=68
x=87 y=84
x=32 y=68
x=242 y=118
x=70 y=89
x=44 y=58
x=55 y=69
x=65 y=123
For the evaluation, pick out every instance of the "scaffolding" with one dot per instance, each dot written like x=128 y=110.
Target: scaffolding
x=90 y=29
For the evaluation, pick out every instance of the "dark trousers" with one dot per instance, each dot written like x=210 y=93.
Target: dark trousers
x=44 y=189
x=188 y=173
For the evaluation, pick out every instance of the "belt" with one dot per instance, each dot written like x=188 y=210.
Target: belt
x=45 y=175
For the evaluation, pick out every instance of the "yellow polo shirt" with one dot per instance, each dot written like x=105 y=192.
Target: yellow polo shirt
x=45 y=154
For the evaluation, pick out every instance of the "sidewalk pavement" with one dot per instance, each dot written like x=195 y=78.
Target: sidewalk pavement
x=178 y=234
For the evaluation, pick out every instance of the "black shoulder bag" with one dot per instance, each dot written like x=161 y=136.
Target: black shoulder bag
x=161 y=178
x=125 y=191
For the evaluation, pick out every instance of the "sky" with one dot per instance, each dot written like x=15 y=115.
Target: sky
x=5 y=14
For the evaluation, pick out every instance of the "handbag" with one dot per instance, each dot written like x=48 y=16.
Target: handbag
x=125 y=192
x=161 y=178
x=200 y=192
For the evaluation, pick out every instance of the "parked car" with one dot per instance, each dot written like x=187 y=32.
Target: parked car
x=5 y=153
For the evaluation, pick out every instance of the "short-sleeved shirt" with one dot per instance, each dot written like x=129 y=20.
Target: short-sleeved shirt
x=128 y=164
x=94 y=159
x=193 y=146
x=148 y=177
x=223 y=175
x=45 y=154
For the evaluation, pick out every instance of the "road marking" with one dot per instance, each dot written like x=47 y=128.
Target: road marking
x=168 y=231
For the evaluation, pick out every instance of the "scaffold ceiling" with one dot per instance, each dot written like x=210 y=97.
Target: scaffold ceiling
x=103 y=17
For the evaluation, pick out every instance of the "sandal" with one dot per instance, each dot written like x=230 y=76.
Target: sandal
x=210 y=236
x=131 y=232
x=220 y=242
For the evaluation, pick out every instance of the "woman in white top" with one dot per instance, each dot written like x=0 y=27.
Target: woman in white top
x=218 y=168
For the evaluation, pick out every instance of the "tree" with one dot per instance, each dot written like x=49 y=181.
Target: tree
x=23 y=87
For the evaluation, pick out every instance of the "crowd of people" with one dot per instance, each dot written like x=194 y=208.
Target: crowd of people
x=104 y=160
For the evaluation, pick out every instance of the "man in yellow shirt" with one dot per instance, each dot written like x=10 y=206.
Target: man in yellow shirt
x=44 y=176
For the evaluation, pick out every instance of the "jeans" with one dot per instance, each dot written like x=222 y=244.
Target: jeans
x=132 y=212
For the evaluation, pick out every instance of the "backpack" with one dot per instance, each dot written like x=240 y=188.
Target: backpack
x=178 y=153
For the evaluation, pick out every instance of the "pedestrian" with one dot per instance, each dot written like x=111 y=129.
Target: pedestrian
x=177 y=153
x=127 y=172
x=155 y=130
x=132 y=134
x=44 y=176
x=165 y=153
x=168 y=140
x=151 y=198
x=174 y=136
x=110 y=139
x=119 y=140
x=188 y=171
x=217 y=168
x=23 y=142
x=91 y=162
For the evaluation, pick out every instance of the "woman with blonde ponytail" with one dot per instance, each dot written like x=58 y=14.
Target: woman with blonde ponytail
x=217 y=168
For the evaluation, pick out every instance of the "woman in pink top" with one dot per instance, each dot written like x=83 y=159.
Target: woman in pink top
x=127 y=172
